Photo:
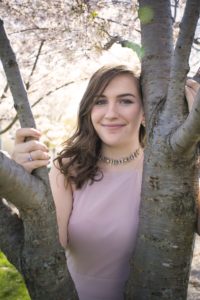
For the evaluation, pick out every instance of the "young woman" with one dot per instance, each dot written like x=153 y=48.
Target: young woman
x=96 y=181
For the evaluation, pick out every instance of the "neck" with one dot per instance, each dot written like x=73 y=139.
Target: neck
x=118 y=152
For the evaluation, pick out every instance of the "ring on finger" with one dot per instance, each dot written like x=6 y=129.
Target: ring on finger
x=30 y=158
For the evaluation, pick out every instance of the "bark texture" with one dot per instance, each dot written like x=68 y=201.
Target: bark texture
x=33 y=232
x=161 y=263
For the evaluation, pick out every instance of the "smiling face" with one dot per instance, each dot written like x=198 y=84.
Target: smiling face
x=117 y=115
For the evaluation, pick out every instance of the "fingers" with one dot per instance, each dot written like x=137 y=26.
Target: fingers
x=23 y=133
x=190 y=95
x=29 y=146
x=191 y=90
x=31 y=160
x=193 y=84
x=38 y=155
x=31 y=165
x=30 y=154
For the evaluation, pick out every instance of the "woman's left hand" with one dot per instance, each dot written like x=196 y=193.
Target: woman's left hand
x=191 y=90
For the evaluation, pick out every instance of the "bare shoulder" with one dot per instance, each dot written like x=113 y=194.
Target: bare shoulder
x=57 y=179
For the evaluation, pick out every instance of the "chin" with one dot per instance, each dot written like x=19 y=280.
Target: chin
x=113 y=143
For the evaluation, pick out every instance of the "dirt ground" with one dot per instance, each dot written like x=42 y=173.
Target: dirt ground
x=194 y=284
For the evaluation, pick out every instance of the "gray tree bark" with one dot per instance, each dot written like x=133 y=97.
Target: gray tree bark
x=168 y=215
x=30 y=239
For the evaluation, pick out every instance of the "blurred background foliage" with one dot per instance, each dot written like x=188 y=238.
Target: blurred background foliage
x=12 y=286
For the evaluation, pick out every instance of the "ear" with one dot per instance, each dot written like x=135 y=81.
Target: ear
x=143 y=121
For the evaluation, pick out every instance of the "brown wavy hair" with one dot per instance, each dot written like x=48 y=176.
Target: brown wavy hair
x=79 y=157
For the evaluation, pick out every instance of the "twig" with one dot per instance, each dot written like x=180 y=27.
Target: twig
x=33 y=105
x=35 y=64
x=179 y=64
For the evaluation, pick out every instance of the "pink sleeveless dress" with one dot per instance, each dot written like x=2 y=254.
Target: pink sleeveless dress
x=102 y=234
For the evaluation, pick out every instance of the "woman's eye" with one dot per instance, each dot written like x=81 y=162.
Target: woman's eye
x=126 y=101
x=100 y=102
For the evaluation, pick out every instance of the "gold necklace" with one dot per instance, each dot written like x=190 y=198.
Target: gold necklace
x=120 y=161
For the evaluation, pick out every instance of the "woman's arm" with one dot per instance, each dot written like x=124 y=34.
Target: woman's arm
x=39 y=153
x=63 y=200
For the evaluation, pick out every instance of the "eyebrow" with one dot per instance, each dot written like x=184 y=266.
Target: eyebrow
x=118 y=96
x=125 y=95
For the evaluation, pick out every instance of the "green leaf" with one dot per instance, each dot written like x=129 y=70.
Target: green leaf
x=145 y=14
x=135 y=47
x=93 y=14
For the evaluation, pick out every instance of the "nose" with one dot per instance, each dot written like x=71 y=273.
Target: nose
x=112 y=111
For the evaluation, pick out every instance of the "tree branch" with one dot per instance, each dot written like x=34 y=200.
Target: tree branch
x=157 y=42
x=179 y=64
x=27 y=87
x=14 y=120
x=34 y=104
x=197 y=41
x=112 y=21
x=175 y=10
x=18 y=186
x=18 y=91
x=35 y=63
x=11 y=234
x=188 y=134
x=4 y=91
x=15 y=81
x=51 y=92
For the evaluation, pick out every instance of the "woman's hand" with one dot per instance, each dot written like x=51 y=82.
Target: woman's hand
x=191 y=90
x=30 y=154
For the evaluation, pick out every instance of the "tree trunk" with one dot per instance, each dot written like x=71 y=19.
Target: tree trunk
x=161 y=263
x=167 y=222
x=33 y=233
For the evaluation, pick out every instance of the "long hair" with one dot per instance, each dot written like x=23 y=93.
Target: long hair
x=79 y=157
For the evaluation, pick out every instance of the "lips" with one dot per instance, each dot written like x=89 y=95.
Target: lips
x=112 y=128
x=113 y=125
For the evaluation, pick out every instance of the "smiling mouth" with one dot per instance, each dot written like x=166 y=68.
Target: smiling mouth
x=112 y=128
x=113 y=125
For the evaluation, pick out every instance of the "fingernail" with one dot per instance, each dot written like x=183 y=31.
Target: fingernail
x=38 y=132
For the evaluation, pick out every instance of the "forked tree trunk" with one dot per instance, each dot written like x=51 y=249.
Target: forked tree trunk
x=168 y=215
